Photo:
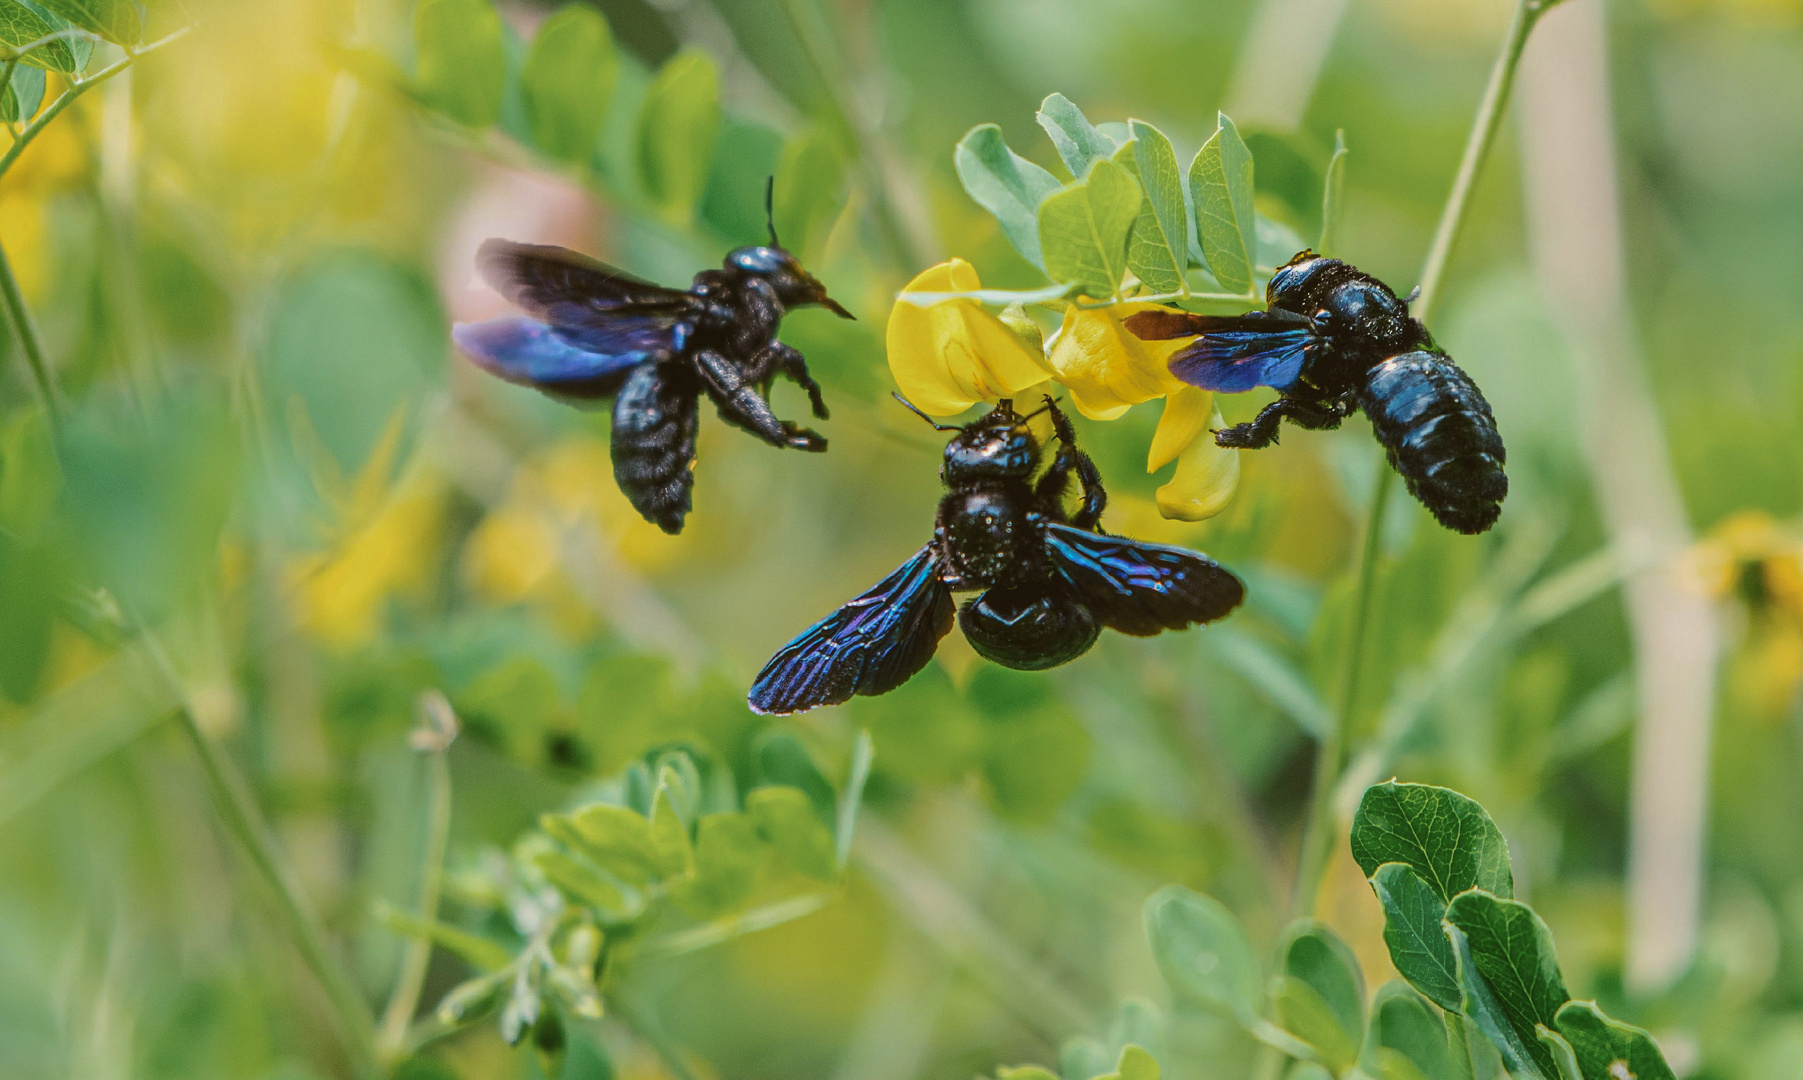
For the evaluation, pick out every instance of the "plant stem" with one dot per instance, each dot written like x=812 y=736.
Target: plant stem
x=76 y=89
x=27 y=330
x=239 y=812
x=391 y=1038
x=1477 y=149
x=1321 y=826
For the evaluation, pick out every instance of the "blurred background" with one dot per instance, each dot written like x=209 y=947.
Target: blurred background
x=281 y=503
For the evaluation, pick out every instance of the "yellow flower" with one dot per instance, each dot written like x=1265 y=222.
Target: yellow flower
x=1752 y=552
x=1207 y=475
x=948 y=356
x=340 y=594
x=1108 y=368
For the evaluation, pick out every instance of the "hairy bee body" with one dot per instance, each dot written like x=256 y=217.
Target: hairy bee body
x=1332 y=341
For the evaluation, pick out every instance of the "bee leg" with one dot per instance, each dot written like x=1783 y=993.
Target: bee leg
x=1056 y=481
x=787 y=361
x=740 y=403
x=1319 y=415
x=1255 y=434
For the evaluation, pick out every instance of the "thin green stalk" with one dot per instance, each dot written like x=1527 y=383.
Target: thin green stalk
x=27 y=330
x=1320 y=825
x=434 y=738
x=238 y=811
x=75 y=90
x=1477 y=149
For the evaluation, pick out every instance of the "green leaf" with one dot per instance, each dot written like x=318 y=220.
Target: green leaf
x=727 y=851
x=23 y=22
x=781 y=759
x=1077 y=140
x=678 y=122
x=1135 y=1064
x=1138 y=1024
x=1487 y=1013
x=1333 y=197
x=568 y=82
x=614 y=838
x=1448 y=839
x=1315 y=954
x=1005 y=184
x=1304 y=1013
x=672 y=809
x=1386 y=1064
x=583 y=884
x=1168 y=233
x=1605 y=1047
x=1220 y=184
x=478 y=951
x=1564 y=1058
x=810 y=189
x=23 y=93
x=1513 y=951
x=1403 y=1024
x=788 y=820
x=1418 y=945
x=1148 y=253
x=1083 y=229
x=462 y=60
x=851 y=797
x=115 y=20
x=1082 y=1058
x=1202 y=952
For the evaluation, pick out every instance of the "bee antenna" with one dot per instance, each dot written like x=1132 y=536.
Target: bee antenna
x=1050 y=403
x=770 y=208
x=915 y=409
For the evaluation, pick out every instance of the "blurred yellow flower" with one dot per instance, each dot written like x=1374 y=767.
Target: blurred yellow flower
x=1752 y=556
x=948 y=356
x=55 y=161
x=516 y=551
x=339 y=594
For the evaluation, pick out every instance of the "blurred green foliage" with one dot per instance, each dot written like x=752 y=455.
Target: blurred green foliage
x=266 y=494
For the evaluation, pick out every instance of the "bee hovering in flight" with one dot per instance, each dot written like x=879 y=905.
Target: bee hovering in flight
x=597 y=332
x=1049 y=581
x=1332 y=341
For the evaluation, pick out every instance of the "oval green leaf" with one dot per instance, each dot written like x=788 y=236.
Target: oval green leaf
x=1202 y=952
x=462 y=61
x=1158 y=250
x=1447 y=838
x=810 y=189
x=1418 y=946
x=1604 y=1047
x=677 y=127
x=1083 y=229
x=1220 y=184
x=115 y=20
x=1404 y=1025
x=1513 y=951
x=23 y=22
x=568 y=82
x=23 y=93
x=1005 y=184
x=1079 y=144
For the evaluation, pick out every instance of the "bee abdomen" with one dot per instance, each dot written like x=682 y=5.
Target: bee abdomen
x=1440 y=435
x=655 y=419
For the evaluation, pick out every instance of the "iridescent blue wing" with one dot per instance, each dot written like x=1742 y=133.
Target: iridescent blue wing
x=593 y=305
x=870 y=646
x=530 y=353
x=1141 y=588
x=1233 y=353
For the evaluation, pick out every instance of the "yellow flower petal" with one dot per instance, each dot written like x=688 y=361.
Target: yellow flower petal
x=948 y=356
x=1186 y=416
x=1207 y=476
x=1105 y=366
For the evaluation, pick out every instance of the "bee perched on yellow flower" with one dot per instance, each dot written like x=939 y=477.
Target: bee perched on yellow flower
x=1124 y=236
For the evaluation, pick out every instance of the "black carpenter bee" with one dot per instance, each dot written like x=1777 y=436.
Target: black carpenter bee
x=1050 y=582
x=598 y=332
x=1333 y=341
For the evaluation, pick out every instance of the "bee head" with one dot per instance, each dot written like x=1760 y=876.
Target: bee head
x=794 y=286
x=995 y=446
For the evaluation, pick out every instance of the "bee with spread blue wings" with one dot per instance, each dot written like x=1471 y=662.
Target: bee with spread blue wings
x=1334 y=340
x=596 y=332
x=1050 y=581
